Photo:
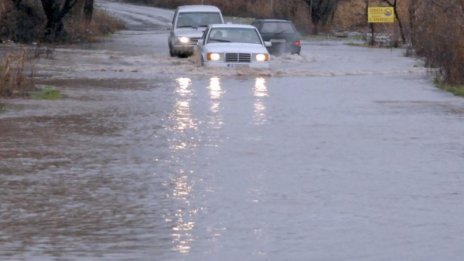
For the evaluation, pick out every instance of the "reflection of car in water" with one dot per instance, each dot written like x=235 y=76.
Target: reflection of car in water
x=188 y=24
x=281 y=33
x=232 y=45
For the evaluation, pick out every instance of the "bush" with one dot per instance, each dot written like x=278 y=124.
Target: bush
x=20 y=24
x=16 y=72
x=77 y=29
x=439 y=37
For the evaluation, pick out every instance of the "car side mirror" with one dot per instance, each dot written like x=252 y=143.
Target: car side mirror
x=267 y=44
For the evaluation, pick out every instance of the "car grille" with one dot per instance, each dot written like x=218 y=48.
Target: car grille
x=238 y=57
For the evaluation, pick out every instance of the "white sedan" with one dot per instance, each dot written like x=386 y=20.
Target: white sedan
x=232 y=45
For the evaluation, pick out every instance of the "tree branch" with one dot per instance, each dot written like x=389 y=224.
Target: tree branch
x=388 y=2
x=16 y=3
x=68 y=5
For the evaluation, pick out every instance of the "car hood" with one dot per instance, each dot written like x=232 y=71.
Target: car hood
x=286 y=36
x=190 y=32
x=235 y=48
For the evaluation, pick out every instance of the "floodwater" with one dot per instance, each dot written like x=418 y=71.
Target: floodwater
x=343 y=153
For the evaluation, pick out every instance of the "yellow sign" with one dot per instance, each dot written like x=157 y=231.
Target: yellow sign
x=381 y=15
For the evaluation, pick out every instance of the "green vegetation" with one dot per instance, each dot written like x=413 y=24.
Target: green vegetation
x=364 y=44
x=457 y=90
x=46 y=93
x=2 y=108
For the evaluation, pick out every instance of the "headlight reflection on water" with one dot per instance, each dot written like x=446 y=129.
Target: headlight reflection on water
x=184 y=223
x=260 y=92
x=215 y=95
x=183 y=140
x=182 y=114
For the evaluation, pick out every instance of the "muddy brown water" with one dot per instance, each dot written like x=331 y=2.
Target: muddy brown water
x=343 y=153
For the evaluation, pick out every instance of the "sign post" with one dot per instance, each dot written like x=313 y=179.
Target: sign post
x=376 y=15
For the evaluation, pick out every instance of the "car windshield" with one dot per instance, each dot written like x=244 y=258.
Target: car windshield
x=198 y=19
x=234 y=35
x=277 y=27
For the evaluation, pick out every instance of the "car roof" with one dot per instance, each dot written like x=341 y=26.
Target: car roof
x=198 y=8
x=247 y=26
x=273 y=20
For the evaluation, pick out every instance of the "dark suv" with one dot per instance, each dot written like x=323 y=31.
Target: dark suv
x=281 y=33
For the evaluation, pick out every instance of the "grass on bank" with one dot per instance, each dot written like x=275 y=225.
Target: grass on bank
x=45 y=93
x=457 y=90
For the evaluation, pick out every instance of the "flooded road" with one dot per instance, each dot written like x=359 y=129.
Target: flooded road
x=343 y=153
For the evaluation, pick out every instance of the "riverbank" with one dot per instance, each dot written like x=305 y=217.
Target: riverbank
x=22 y=42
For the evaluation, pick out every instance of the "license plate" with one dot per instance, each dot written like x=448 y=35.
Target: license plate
x=239 y=65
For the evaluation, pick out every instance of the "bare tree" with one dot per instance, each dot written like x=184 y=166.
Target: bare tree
x=394 y=4
x=55 y=11
x=321 y=11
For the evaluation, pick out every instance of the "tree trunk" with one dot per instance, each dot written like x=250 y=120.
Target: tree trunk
x=88 y=10
x=412 y=21
x=54 y=27
x=321 y=11
x=16 y=3
x=316 y=27
x=400 y=24
x=55 y=12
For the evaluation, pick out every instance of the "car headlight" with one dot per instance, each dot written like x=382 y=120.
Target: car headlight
x=213 y=57
x=184 y=40
x=262 y=57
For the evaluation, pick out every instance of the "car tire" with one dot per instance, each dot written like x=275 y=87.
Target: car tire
x=171 y=52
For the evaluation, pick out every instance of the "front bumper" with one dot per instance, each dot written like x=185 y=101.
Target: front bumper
x=183 y=48
x=222 y=64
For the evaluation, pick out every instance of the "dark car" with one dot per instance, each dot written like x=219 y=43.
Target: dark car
x=281 y=33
